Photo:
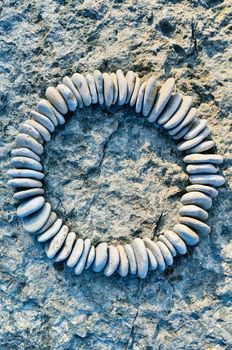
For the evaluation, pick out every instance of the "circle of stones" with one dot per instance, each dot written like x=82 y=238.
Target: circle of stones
x=163 y=105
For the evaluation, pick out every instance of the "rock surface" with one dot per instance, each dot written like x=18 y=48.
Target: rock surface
x=110 y=175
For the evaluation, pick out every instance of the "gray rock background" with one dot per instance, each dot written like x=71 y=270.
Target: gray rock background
x=111 y=175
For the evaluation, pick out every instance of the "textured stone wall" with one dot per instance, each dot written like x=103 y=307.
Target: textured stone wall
x=111 y=175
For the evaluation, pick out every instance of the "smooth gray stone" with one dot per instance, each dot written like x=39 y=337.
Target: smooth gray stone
x=26 y=163
x=68 y=82
x=202 y=169
x=189 y=236
x=141 y=257
x=90 y=258
x=198 y=126
x=24 y=140
x=181 y=112
x=130 y=79
x=56 y=99
x=165 y=252
x=24 y=182
x=149 y=96
x=140 y=97
x=32 y=174
x=108 y=89
x=50 y=232
x=82 y=86
x=25 y=152
x=82 y=261
x=197 y=198
x=212 y=192
x=113 y=261
x=44 y=107
x=43 y=121
x=203 y=158
x=68 y=96
x=152 y=262
x=28 y=193
x=171 y=107
x=131 y=259
x=190 y=116
x=37 y=220
x=67 y=248
x=197 y=225
x=182 y=132
x=212 y=180
x=163 y=239
x=176 y=241
x=135 y=91
x=60 y=118
x=30 y=206
x=186 y=145
x=31 y=131
x=50 y=221
x=123 y=267
x=122 y=87
x=45 y=134
x=202 y=147
x=193 y=211
x=57 y=242
x=92 y=88
x=115 y=83
x=99 y=85
x=76 y=253
x=154 y=248
x=101 y=257
x=163 y=96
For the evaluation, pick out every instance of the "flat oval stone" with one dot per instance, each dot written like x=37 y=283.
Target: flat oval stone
x=101 y=257
x=163 y=96
x=165 y=252
x=189 y=118
x=50 y=221
x=130 y=79
x=197 y=225
x=25 y=152
x=50 y=232
x=30 y=206
x=141 y=257
x=45 y=134
x=59 y=116
x=28 y=193
x=182 y=132
x=31 y=131
x=67 y=248
x=76 y=253
x=123 y=267
x=189 y=236
x=82 y=261
x=181 y=112
x=44 y=107
x=115 y=83
x=203 y=158
x=149 y=96
x=202 y=169
x=82 y=86
x=26 y=163
x=198 y=126
x=113 y=261
x=198 y=198
x=108 y=89
x=131 y=259
x=68 y=96
x=185 y=145
x=24 y=140
x=122 y=87
x=32 y=174
x=92 y=88
x=36 y=221
x=68 y=82
x=57 y=242
x=210 y=191
x=163 y=239
x=194 y=211
x=176 y=241
x=202 y=147
x=152 y=262
x=99 y=85
x=90 y=258
x=140 y=97
x=56 y=99
x=43 y=121
x=135 y=91
x=170 y=108
x=212 y=180
x=24 y=182
x=154 y=248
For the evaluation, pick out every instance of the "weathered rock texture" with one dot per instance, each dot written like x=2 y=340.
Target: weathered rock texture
x=111 y=175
